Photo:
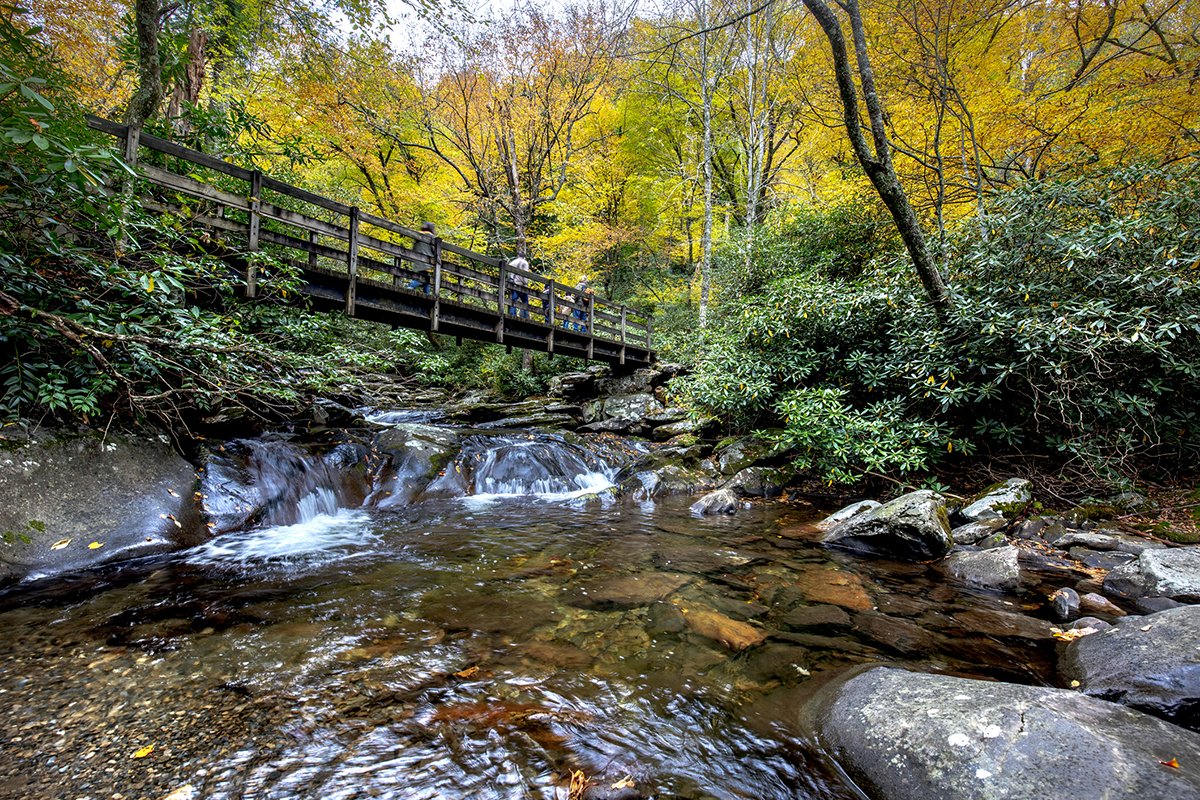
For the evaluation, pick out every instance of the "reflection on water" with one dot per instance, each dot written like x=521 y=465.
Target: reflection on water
x=468 y=649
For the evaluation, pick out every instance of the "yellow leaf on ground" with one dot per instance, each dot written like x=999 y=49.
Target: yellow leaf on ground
x=60 y=544
x=1173 y=763
x=95 y=545
x=145 y=751
x=624 y=783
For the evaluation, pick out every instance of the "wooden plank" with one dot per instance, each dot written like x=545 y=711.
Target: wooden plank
x=298 y=220
x=309 y=197
x=501 y=292
x=591 y=329
x=313 y=248
x=623 y=314
x=471 y=254
x=352 y=263
x=388 y=225
x=550 y=318
x=190 y=186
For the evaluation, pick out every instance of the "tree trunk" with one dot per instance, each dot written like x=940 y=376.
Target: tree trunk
x=878 y=164
x=706 y=230
x=148 y=94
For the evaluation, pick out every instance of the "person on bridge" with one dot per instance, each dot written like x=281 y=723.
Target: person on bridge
x=423 y=246
x=518 y=294
x=583 y=297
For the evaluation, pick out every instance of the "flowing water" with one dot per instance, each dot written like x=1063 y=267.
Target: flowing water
x=492 y=639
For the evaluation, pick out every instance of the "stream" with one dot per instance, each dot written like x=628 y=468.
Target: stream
x=513 y=627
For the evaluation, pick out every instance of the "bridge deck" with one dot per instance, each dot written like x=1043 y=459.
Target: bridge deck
x=374 y=269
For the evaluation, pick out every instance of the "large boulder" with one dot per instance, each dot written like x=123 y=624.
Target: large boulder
x=759 y=482
x=912 y=527
x=1151 y=663
x=71 y=503
x=1173 y=573
x=663 y=481
x=843 y=514
x=1003 y=500
x=629 y=407
x=909 y=736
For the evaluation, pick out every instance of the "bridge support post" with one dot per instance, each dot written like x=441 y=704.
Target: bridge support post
x=550 y=316
x=435 y=312
x=623 y=313
x=591 y=324
x=255 y=232
x=352 y=263
x=500 y=298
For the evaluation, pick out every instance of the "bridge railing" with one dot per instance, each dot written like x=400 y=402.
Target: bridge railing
x=321 y=235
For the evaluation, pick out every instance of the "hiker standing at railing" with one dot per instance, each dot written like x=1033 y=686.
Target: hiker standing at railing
x=518 y=295
x=423 y=246
x=583 y=298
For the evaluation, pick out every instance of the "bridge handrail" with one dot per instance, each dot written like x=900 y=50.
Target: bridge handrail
x=617 y=323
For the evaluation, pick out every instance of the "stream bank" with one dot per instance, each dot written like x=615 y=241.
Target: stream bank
x=458 y=602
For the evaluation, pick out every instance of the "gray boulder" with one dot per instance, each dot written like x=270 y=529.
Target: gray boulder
x=912 y=527
x=852 y=510
x=415 y=455
x=759 y=482
x=1151 y=663
x=683 y=426
x=722 y=501
x=72 y=503
x=910 y=736
x=973 y=532
x=996 y=568
x=630 y=407
x=1173 y=573
x=663 y=481
x=1000 y=501
x=739 y=454
x=1114 y=541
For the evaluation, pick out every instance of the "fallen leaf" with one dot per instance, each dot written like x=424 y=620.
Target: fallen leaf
x=469 y=672
x=95 y=545
x=1145 y=628
x=60 y=544
x=624 y=783
x=1073 y=634
x=1075 y=684
x=145 y=751
x=1173 y=763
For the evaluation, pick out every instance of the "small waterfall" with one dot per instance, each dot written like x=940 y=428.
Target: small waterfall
x=490 y=467
x=275 y=482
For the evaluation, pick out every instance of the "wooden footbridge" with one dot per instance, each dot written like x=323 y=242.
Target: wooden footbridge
x=372 y=268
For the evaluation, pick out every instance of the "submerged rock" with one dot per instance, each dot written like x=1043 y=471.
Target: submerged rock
x=627 y=591
x=73 y=503
x=996 y=568
x=1151 y=663
x=910 y=736
x=1173 y=573
x=1006 y=500
x=718 y=627
x=722 y=501
x=912 y=527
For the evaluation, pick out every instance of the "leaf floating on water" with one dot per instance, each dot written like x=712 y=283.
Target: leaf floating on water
x=1173 y=763
x=60 y=544
x=624 y=783
x=173 y=493
x=95 y=545
x=145 y=751
x=469 y=672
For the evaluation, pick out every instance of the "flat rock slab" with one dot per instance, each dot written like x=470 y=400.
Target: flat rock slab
x=1151 y=663
x=627 y=591
x=1004 y=623
x=910 y=736
x=832 y=586
x=702 y=560
x=1173 y=573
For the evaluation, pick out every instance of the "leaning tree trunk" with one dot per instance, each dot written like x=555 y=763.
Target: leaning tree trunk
x=878 y=164
x=148 y=94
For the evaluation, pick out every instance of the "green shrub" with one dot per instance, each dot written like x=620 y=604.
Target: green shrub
x=1075 y=331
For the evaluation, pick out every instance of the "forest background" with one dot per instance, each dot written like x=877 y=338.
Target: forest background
x=691 y=158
